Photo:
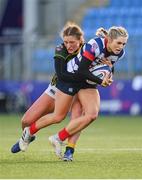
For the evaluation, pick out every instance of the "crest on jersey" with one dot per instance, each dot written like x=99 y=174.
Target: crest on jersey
x=94 y=47
x=59 y=48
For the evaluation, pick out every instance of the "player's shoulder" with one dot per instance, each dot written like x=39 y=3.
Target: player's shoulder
x=60 y=47
x=97 y=40
x=95 y=44
x=61 y=50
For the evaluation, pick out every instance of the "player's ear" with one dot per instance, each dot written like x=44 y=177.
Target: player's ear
x=110 y=40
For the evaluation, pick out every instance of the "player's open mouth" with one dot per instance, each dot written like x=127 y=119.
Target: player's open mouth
x=70 y=49
x=117 y=50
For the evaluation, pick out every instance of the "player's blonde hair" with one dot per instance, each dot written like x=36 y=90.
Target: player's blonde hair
x=72 y=29
x=101 y=32
x=114 y=32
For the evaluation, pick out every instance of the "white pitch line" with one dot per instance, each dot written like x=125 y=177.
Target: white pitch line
x=91 y=150
x=105 y=149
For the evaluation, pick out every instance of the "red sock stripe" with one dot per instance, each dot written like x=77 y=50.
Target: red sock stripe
x=63 y=134
x=33 y=129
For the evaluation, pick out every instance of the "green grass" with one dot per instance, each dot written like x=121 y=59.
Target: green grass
x=109 y=148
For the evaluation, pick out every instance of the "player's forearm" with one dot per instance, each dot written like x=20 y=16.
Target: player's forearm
x=64 y=75
x=84 y=71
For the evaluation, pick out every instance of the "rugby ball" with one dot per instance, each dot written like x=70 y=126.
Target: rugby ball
x=100 y=71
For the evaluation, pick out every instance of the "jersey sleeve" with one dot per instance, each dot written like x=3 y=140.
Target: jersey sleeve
x=61 y=70
x=88 y=52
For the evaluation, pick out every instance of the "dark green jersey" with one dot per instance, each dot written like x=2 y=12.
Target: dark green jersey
x=62 y=53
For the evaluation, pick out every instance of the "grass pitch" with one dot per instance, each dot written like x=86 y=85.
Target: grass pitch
x=109 y=148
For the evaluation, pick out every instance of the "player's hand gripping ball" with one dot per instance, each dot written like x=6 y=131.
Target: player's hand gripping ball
x=100 y=71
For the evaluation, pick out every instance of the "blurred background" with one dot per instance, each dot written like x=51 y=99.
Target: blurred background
x=29 y=32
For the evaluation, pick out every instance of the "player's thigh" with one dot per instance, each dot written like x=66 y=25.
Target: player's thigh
x=62 y=103
x=76 y=108
x=90 y=100
x=43 y=105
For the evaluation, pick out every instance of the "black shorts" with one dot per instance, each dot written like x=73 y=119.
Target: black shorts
x=73 y=88
x=86 y=86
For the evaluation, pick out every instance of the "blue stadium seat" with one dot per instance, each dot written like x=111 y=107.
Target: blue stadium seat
x=126 y=3
x=138 y=65
x=130 y=18
x=120 y=13
x=42 y=61
x=122 y=66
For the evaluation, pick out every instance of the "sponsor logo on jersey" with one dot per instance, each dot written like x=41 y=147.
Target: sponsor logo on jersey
x=59 y=48
x=94 y=47
x=70 y=89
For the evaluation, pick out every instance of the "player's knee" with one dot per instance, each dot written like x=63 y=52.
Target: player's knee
x=58 y=118
x=93 y=116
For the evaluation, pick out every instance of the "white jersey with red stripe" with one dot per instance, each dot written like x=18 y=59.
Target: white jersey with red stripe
x=94 y=51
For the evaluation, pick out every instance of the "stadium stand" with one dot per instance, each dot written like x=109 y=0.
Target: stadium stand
x=115 y=12
x=42 y=60
x=119 y=13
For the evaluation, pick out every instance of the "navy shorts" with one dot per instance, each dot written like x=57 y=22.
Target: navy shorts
x=72 y=88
